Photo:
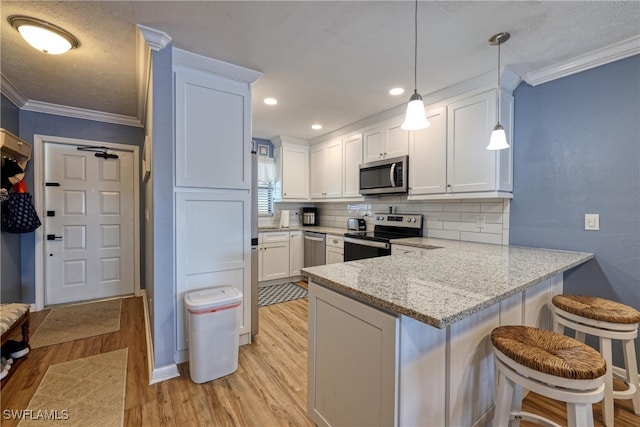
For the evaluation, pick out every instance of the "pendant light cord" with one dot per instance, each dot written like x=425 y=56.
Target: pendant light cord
x=498 y=83
x=415 y=51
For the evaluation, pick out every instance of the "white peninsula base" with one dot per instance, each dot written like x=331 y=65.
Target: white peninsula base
x=371 y=367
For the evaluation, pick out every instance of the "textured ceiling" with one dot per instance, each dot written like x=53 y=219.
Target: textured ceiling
x=326 y=62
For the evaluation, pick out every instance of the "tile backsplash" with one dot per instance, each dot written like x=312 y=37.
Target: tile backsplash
x=473 y=220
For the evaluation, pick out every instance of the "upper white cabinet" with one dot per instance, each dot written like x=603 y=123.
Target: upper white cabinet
x=292 y=164
x=450 y=157
x=212 y=116
x=352 y=158
x=326 y=170
x=428 y=155
x=386 y=140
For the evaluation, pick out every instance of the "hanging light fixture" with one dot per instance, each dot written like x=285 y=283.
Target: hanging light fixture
x=415 y=118
x=44 y=36
x=498 y=140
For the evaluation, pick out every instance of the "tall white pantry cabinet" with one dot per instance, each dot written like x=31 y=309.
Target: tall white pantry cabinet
x=212 y=183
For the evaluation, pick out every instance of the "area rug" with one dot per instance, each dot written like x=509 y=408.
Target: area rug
x=79 y=321
x=83 y=392
x=275 y=294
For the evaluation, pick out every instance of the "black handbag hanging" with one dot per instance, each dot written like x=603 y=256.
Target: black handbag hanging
x=18 y=214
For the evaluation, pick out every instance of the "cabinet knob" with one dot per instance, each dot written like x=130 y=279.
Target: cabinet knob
x=285 y=194
x=384 y=154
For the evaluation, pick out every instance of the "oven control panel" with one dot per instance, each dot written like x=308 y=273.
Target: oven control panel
x=397 y=220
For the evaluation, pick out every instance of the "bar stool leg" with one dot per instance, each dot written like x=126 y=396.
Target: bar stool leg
x=607 y=402
x=631 y=366
x=579 y=414
x=504 y=401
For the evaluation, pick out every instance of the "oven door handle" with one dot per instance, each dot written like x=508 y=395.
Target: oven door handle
x=370 y=243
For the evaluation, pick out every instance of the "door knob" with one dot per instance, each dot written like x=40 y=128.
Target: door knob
x=53 y=237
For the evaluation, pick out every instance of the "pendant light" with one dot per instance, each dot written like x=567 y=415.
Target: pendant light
x=44 y=36
x=498 y=140
x=416 y=118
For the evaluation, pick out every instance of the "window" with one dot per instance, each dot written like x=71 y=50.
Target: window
x=265 y=199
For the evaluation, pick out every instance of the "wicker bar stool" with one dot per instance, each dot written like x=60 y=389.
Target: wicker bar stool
x=608 y=320
x=549 y=364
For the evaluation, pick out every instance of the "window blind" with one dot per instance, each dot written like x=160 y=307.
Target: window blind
x=265 y=199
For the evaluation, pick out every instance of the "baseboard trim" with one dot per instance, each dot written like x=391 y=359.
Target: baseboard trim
x=163 y=373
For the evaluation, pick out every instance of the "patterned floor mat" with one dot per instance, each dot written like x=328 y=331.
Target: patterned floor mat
x=275 y=294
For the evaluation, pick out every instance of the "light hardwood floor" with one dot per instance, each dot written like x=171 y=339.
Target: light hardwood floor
x=269 y=388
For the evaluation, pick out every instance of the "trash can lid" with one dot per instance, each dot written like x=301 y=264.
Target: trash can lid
x=212 y=297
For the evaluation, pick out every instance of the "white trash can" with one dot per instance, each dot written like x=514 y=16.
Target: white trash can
x=213 y=332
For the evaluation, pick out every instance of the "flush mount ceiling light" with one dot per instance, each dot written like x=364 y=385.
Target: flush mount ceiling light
x=416 y=118
x=316 y=126
x=396 y=91
x=270 y=101
x=498 y=139
x=44 y=36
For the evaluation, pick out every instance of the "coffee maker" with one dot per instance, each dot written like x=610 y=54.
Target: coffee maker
x=310 y=216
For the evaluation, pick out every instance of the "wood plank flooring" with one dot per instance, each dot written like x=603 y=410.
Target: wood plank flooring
x=269 y=388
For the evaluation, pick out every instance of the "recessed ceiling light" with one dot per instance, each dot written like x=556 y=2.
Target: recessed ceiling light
x=316 y=127
x=44 y=36
x=270 y=101
x=396 y=91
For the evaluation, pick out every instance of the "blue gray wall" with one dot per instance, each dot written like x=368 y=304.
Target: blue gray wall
x=10 y=243
x=47 y=124
x=265 y=142
x=577 y=151
x=161 y=292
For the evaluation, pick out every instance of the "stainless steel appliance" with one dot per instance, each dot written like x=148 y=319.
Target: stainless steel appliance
x=371 y=244
x=314 y=249
x=388 y=176
x=254 y=241
x=310 y=216
x=356 y=224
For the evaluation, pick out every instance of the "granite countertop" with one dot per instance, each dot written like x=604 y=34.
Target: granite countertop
x=318 y=229
x=444 y=285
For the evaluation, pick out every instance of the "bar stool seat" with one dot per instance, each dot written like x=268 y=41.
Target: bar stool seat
x=549 y=364
x=606 y=320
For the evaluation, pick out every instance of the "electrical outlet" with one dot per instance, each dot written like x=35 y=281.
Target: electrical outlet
x=480 y=221
x=592 y=222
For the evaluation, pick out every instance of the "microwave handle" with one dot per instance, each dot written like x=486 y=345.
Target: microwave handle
x=392 y=174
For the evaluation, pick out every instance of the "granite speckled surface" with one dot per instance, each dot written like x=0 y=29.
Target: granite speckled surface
x=442 y=286
x=317 y=229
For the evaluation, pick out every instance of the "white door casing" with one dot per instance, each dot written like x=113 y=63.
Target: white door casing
x=96 y=253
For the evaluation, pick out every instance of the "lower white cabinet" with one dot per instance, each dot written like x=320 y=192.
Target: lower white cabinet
x=273 y=257
x=334 y=249
x=296 y=253
x=352 y=362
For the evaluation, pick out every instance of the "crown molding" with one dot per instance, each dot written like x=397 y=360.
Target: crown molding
x=81 y=113
x=596 y=58
x=156 y=39
x=215 y=66
x=12 y=93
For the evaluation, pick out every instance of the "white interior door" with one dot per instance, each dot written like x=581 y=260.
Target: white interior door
x=89 y=224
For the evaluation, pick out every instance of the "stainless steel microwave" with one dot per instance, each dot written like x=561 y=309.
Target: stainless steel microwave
x=388 y=176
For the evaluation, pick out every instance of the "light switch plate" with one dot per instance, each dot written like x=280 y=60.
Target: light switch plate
x=592 y=222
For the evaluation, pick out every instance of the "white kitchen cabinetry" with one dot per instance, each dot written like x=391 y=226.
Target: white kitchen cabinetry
x=450 y=157
x=212 y=192
x=352 y=156
x=334 y=249
x=352 y=362
x=385 y=141
x=211 y=117
x=296 y=253
x=273 y=256
x=292 y=164
x=428 y=155
x=326 y=170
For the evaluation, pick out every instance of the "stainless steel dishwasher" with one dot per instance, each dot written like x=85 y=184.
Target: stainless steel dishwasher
x=314 y=250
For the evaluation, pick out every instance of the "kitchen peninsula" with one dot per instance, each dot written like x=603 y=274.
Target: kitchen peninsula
x=404 y=339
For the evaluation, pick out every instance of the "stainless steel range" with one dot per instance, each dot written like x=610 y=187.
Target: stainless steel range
x=371 y=244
